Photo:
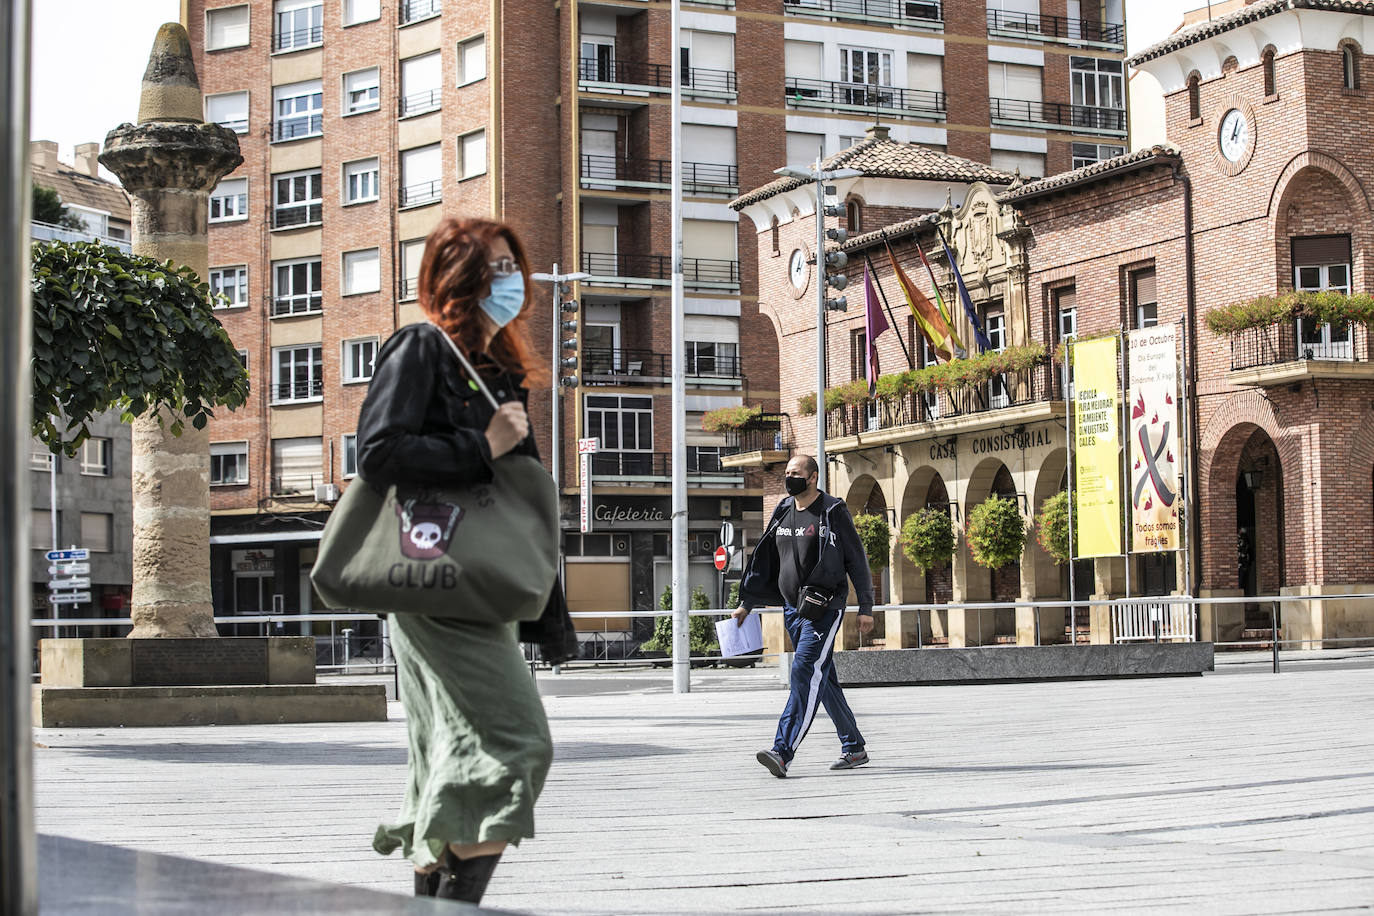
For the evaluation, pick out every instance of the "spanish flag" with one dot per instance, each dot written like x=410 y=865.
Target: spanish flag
x=959 y=350
x=928 y=317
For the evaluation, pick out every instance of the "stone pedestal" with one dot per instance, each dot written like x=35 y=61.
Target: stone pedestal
x=1330 y=617
x=177 y=662
x=901 y=628
x=994 y=664
x=775 y=639
x=1221 y=622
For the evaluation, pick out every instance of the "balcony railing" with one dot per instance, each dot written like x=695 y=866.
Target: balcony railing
x=625 y=72
x=695 y=271
x=1287 y=342
x=298 y=127
x=298 y=391
x=704 y=80
x=410 y=287
x=304 y=214
x=427 y=192
x=695 y=175
x=768 y=433
x=646 y=464
x=1038 y=384
x=298 y=38
x=698 y=365
x=926 y=13
x=304 y=304
x=296 y=484
x=420 y=102
x=1062 y=114
x=1074 y=31
x=606 y=366
x=807 y=93
x=412 y=10
x=46 y=232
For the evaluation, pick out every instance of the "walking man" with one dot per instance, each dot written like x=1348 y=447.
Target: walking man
x=801 y=562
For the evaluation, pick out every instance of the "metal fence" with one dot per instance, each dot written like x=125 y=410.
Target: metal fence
x=912 y=12
x=831 y=94
x=1038 y=25
x=1061 y=114
x=1300 y=339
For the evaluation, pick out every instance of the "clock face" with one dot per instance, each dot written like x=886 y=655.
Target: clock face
x=1234 y=135
x=797 y=270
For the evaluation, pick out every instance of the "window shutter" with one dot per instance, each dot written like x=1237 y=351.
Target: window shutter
x=1320 y=250
x=228 y=27
x=1066 y=299
x=1145 y=287
x=802 y=59
x=925 y=71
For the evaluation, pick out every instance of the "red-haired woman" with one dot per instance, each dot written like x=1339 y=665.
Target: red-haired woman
x=479 y=742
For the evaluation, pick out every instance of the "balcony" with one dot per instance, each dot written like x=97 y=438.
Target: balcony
x=420 y=102
x=656 y=270
x=417 y=195
x=865 y=98
x=606 y=366
x=766 y=440
x=415 y=10
x=1282 y=354
x=46 y=232
x=303 y=304
x=613 y=172
x=923 y=14
x=410 y=288
x=656 y=467
x=703 y=83
x=1059 y=115
x=296 y=39
x=296 y=215
x=308 y=390
x=623 y=75
x=296 y=484
x=1058 y=29
x=1024 y=395
x=298 y=128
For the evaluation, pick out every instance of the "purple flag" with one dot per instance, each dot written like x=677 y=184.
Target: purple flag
x=875 y=323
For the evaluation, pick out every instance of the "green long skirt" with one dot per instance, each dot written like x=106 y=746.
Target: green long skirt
x=479 y=741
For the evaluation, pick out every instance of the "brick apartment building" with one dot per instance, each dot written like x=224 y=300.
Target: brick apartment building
x=1261 y=189
x=362 y=122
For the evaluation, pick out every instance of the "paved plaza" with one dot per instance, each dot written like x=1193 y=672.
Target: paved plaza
x=1238 y=792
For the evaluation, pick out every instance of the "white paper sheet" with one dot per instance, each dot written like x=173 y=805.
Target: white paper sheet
x=738 y=640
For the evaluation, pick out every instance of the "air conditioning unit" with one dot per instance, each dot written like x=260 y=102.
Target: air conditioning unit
x=326 y=493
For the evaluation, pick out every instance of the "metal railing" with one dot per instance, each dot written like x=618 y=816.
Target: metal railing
x=420 y=102
x=1061 y=114
x=306 y=214
x=695 y=175
x=298 y=127
x=1030 y=386
x=306 y=304
x=413 y=10
x=297 y=391
x=410 y=287
x=616 y=366
x=1285 y=342
x=770 y=432
x=891 y=99
x=695 y=271
x=1032 y=25
x=697 y=365
x=237 y=125
x=903 y=12
x=413 y=195
x=296 y=484
x=307 y=37
x=646 y=464
x=1153 y=622
x=625 y=72
x=46 y=232
x=703 y=79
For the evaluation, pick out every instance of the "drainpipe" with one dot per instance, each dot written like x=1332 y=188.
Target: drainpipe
x=1194 y=484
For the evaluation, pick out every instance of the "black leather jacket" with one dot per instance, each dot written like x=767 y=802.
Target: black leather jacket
x=423 y=423
x=841 y=554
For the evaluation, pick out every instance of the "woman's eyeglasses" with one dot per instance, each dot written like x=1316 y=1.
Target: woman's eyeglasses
x=504 y=267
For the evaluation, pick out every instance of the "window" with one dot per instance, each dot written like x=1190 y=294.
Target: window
x=708 y=60
x=1019 y=82
x=421 y=173
x=853 y=215
x=802 y=148
x=297 y=199
x=350 y=454
x=705 y=459
x=1085 y=154
x=1267 y=62
x=1194 y=99
x=712 y=358
x=421 y=84
x=925 y=72
x=299 y=110
x=361 y=91
x=774 y=234
x=228 y=109
x=1144 y=304
x=41 y=460
x=1031 y=165
x=296 y=287
x=359 y=357
x=228 y=463
x=872 y=67
x=299 y=24
x=597 y=59
x=226 y=27
x=243 y=359
x=356 y=11
x=297 y=465
x=1066 y=310
x=40 y=529
x=1322 y=262
x=229 y=286
x=1097 y=83
x=995 y=326
x=361 y=272
x=623 y=424
x=472 y=60
x=229 y=200
x=412 y=253
x=360 y=181
x=1350 y=68
x=472 y=154
x=412 y=10
x=297 y=373
x=97 y=530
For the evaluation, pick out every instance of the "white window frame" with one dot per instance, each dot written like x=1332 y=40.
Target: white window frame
x=239 y=275
x=41 y=460
x=354 y=18
x=355 y=355
x=464 y=154
x=635 y=405
x=348 y=448
x=465 y=76
x=408 y=157
x=312 y=91
x=238 y=126
x=427 y=97
x=239 y=450
x=293 y=9
x=357 y=169
x=233 y=206
x=370 y=102
x=1100 y=79
x=310 y=201
x=410 y=273
x=693 y=358
x=1101 y=152
x=349 y=260
x=98 y=464
x=247 y=26
x=883 y=60
x=308 y=302
x=1325 y=341
x=302 y=356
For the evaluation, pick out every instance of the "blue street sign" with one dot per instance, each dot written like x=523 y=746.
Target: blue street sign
x=76 y=553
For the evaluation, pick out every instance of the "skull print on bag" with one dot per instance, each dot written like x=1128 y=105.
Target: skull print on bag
x=426 y=528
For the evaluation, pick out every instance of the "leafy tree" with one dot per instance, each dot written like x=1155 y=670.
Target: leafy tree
x=876 y=537
x=928 y=538
x=48 y=208
x=996 y=532
x=1052 y=527
x=123 y=331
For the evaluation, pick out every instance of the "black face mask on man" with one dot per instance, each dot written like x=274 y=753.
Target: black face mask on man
x=796 y=486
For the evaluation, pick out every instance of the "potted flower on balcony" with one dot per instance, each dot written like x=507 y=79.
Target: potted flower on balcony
x=996 y=532
x=928 y=538
x=726 y=419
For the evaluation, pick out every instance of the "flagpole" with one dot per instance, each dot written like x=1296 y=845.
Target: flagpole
x=979 y=335
x=910 y=364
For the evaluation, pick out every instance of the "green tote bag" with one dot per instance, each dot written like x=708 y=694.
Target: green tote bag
x=486 y=552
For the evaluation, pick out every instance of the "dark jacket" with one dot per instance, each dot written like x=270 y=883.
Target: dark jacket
x=424 y=424
x=841 y=554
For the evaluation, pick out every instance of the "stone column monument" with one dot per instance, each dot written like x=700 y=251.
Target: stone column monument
x=169 y=162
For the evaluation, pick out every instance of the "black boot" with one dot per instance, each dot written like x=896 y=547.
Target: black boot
x=426 y=883
x=464 y=879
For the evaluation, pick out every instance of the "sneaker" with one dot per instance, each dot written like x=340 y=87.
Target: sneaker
x=850 y=760
x=773 y=762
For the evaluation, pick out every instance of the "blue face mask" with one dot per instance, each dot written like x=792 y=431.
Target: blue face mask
x=505 y=300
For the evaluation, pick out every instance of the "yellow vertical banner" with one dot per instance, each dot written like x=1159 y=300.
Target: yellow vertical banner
x=1097 y=480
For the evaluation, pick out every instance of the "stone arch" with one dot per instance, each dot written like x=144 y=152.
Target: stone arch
x=1350 y=53
x=925 y=487
x=865 y=495
x=1311 y=159
x=1268 y=72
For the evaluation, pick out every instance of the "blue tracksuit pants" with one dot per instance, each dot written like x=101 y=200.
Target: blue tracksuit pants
x=814 y=682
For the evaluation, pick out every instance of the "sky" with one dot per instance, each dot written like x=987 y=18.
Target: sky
x=89 y=56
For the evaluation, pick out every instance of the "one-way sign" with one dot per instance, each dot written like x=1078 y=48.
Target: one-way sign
x=76 y=553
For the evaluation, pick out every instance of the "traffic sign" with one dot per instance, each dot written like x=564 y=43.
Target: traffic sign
x=722 y=558
x=76 y=553
x=83 y=582
x=69 y=569
x=70 y=598
x=727 y=533
x=587 y=446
